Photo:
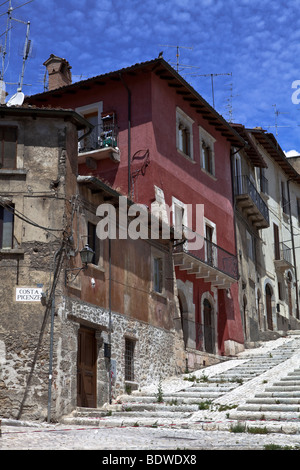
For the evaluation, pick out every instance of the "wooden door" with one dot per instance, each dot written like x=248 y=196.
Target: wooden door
x=86 y=368
x=208 y=327
x=269 y=307
x=276 y=242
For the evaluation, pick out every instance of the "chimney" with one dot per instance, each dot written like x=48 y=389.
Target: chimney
x=59 y=72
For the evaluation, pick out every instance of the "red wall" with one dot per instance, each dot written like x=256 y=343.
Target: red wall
x=153 y=129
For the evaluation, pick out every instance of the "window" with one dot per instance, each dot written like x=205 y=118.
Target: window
x=94 y=242
x=129 y=359
x=263 y=181
x=250 y=246
x=184 y=133
x=276 y=242
x=8 y=139
x=6 y=228
x=207 y=151
x=298 y=209
x=284 y=201
x=210 y=248
x=158 y=274
x=179 y=217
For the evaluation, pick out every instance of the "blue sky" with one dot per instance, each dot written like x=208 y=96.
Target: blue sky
x=252 y=47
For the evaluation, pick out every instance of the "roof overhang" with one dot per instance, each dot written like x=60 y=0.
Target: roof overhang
x=166 y=73
x=270 y=144
x=35 y=112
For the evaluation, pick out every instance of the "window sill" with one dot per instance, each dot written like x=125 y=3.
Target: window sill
x=187 y=157
x=11 y=172
x=12 y=251
x=209 y=174
x=160 y=295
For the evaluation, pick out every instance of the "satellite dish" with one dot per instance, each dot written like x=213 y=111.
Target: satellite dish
x=16 y=100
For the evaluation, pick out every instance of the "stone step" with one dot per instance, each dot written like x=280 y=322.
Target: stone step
x=274 y=407
x=264 y=416
x=160 y=407
x=274 y=400
x=279 y=394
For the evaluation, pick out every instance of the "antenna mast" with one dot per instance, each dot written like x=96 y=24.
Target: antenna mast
x=27 y=46
x=212 y=75
x=177 y=55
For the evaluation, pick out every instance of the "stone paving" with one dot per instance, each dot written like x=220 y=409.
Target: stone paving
x=205 y=430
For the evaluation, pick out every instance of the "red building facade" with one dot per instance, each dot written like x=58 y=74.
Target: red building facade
x=158 y=142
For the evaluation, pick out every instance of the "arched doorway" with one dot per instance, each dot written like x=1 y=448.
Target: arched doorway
x=245 y=315
x=184 y=316
x=259 y=311
x=269 y=294
x=289 y=289
x=209 y=336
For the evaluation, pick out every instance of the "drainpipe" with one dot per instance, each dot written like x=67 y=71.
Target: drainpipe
x=293 y=248
x=129 y=134
x=109 y=325
x=51 y=343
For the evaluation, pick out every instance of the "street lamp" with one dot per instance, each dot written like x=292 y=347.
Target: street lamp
x=86 y=255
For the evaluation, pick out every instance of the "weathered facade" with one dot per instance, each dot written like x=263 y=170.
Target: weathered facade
x=72 y=334
x=38 y=177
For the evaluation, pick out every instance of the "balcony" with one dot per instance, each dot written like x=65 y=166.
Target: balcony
x=250 y=202
x=100 y=144
x=206 y=261
x=283 y=257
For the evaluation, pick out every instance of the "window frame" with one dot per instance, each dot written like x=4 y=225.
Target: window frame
x=2 y=146
x=184 y=122
x=209 y=141
x=94 y=242
x=3 y=211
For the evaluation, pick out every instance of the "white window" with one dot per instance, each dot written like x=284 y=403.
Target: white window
x=179 y=217
x=91 y=113
x=210 y=242
x=184 y=133
x=207 y=151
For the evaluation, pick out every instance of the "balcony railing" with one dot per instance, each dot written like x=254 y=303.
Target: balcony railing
x=283 y=257
x=102 y=136
x=207 y=259
x=250 y=200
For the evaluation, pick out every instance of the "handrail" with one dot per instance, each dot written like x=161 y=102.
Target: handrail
x=243 y=185
x=208 y=253
x=101 y=136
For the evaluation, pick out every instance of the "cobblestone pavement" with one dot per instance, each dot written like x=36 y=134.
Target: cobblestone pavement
x=42 y=436
x=59 y=437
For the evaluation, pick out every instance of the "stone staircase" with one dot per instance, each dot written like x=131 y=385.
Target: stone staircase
x=212 y=400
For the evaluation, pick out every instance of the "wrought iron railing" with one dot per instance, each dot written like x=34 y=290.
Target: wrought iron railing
x=102 y=136
x=243 y=185
x=285 y=253
x=208 y=252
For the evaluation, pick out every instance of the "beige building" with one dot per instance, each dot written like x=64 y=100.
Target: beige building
x=267 y=189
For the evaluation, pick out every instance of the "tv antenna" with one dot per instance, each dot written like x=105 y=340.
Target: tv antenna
x=6 y=47
x=276 y=121
x=177 y=56
x=212 y=75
